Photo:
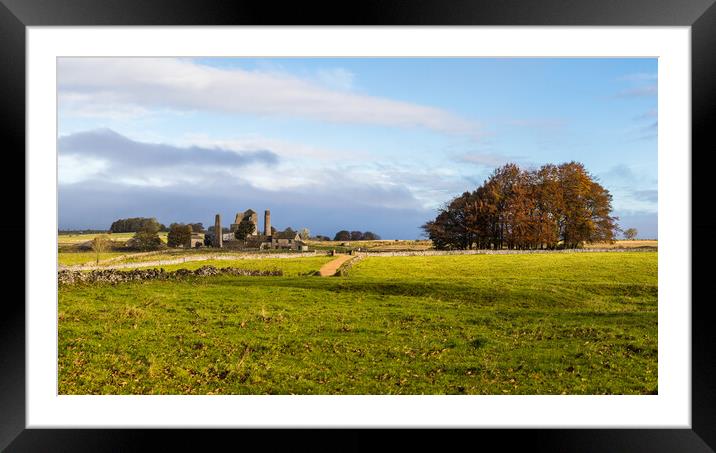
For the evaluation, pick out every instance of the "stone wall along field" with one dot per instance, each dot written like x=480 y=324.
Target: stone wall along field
x=113 y=276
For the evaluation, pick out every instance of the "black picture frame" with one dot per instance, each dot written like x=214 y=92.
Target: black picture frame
x=700 y=15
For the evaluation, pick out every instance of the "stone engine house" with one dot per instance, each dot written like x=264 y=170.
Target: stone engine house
x=267 y=240
x=251 y=216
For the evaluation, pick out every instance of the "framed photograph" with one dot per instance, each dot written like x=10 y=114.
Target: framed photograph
x=418 y=217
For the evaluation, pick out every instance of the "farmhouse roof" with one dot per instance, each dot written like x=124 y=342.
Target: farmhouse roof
x=257 y=239
x=285 y=235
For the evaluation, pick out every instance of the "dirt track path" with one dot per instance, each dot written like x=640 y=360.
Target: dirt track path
x=329 y=269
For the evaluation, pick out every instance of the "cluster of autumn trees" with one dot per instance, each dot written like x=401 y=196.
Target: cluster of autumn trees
x=556 y=206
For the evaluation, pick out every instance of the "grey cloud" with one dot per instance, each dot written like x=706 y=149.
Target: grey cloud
x=619 y=172
x=339 y=189
x=192 y=183
x=649 y=131
x=646 y=195
x=94 y=204
x=648 y=125
x=485 y=159
x=626 y=179
x=123 y=152
x=645 y=222
x=426 y=181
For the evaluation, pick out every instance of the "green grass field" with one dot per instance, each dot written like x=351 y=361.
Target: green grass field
x=289 y=266
x=483 y=324
x=72 y=259
x=69 y=239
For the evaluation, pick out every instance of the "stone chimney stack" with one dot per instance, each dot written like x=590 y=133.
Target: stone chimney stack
x=267 y=223
x=218 y=234
x=255 y=220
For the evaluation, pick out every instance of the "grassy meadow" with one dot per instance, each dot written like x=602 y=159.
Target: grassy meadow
x=81 y=258
x=625 y=244
x=70 y=255
x=582 y=323
x=71 y=239
x=290 y=266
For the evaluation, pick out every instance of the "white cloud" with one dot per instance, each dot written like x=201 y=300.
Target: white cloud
x=539 y=123
x=632 y=189
x=83 y=105
x=72 y=169
x=648 y=115
x=486 y=159
x=93 y=84
x=640 y=91
x=283 y=148
x=338 y=78
x=642 y=85
x=640 y=77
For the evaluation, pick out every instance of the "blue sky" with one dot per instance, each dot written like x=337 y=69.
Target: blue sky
x=342 y=143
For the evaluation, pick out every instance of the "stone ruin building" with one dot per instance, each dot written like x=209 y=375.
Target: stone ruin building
x=197 y=240
x=251 y=216
x=267 y=240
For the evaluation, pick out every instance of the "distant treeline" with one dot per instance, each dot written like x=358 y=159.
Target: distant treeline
x=345 y=235
x=552 y=207
x=195 y=227
x=61 y=232
x=150 y=224
x=135 y=224
x=223 y=229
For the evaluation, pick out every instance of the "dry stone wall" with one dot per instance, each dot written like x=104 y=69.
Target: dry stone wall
x=107 y=264
x=345 y=268
x=114 y=276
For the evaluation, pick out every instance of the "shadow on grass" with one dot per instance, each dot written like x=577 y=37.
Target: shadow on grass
x=563 y=295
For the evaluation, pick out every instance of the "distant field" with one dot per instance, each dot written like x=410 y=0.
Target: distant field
x=179 y=253
x=67 y=239
x=72 y=259
x=480 y=324
x=623 y=244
